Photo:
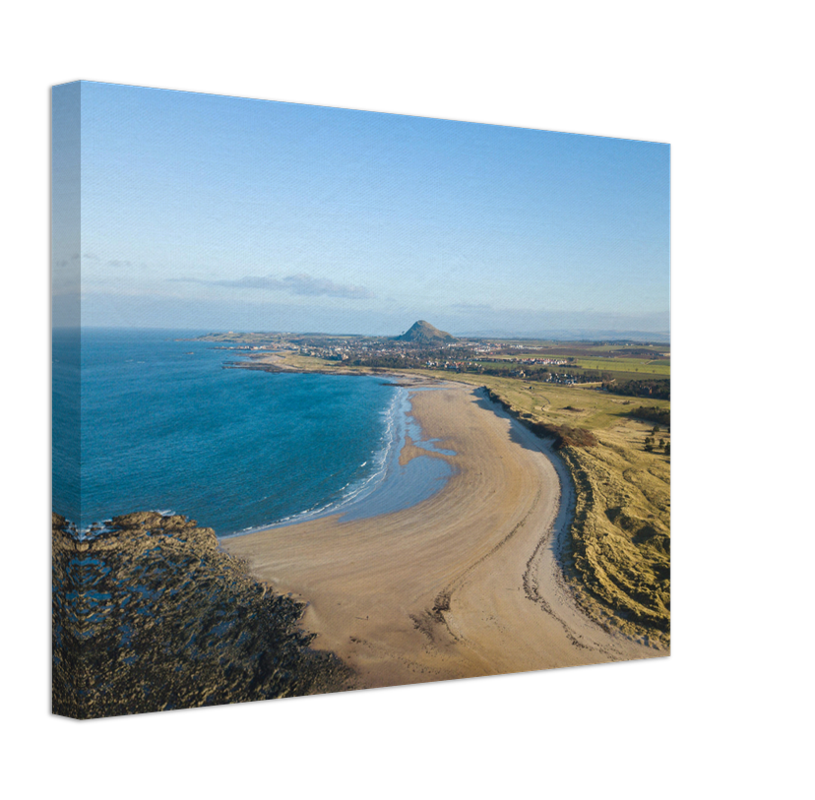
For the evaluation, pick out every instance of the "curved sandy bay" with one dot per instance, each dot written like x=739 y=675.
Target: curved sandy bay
x=465 y=583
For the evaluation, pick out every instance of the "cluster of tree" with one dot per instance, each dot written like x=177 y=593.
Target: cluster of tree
x=658 y=388
x=633 y=352
x=564 y=435
x=662 y=416
x=536 y=372
x=651 y=443
x=448 y=354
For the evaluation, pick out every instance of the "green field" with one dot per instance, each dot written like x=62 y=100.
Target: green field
x=296 y=361
x=628 y=365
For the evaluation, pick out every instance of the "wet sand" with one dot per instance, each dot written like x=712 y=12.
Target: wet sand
x=465 y=583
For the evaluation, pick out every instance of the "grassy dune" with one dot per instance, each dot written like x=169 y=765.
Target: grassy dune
x=620 y=555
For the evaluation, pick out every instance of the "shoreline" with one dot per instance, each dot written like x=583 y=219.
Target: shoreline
x=399 y=482
x=464 y=583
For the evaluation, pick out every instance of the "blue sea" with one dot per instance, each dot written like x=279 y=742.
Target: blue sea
x=150 y=420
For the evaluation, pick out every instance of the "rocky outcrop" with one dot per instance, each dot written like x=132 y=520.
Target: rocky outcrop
x=149 y=615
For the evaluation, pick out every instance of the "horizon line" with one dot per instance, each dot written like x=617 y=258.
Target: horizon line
x=556 y=334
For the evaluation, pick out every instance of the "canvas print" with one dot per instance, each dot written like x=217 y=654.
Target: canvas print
x=345 y=399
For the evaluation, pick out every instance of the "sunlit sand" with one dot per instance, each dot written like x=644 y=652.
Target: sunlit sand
x=463 y=584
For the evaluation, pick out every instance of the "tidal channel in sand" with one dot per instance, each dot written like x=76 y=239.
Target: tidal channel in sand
x=464 y=583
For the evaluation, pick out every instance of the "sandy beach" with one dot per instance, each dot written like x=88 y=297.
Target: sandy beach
x=465 y=583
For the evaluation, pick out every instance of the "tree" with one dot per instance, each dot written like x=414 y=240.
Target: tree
x=668 y=449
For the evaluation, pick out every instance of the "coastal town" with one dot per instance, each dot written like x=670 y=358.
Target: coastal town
x=639 y=368
x=449 y=357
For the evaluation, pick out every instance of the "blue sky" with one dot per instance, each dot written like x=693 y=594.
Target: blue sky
x=220 y=213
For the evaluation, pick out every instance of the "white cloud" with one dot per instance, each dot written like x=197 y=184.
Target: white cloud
x=300 y=284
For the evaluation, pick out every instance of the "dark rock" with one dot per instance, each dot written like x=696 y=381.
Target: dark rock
x=150 y=615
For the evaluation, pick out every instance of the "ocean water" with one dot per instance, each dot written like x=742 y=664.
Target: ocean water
x=148 y=422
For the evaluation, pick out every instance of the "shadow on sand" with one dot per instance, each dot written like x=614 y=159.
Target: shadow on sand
x=515 y=436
